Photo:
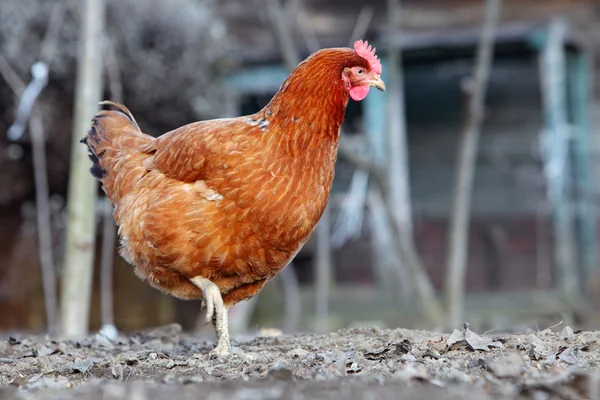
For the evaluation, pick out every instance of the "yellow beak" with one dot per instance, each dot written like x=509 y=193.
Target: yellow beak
x=377 y=82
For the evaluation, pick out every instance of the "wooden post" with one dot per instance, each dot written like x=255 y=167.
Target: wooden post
x=374 y=110
x=391 y=221
x=398 y=174
x=374 y=116
x=558 y=165
x=580 y=94
x=458 y=234
x=81 y=223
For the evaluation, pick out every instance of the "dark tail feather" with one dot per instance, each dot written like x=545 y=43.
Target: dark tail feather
x=114 y=142
x=98 y=138
x=92 y=140
x=96 y=170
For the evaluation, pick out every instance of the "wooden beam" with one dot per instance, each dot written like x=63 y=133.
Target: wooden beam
x=558 y=166
x=397 y=147
x=81 y=200
x=579 y=66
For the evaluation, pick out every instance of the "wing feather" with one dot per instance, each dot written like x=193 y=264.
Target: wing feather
x=192 y=152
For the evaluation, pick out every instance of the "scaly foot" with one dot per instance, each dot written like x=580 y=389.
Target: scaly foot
x=216 y=312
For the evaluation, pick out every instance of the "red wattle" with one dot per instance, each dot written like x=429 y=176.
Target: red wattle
x=359 y=92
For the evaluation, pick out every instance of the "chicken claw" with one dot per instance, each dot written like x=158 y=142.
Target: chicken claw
x=216 y=312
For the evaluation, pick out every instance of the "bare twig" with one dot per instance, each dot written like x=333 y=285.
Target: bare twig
x=555 y=325
x=459 y=223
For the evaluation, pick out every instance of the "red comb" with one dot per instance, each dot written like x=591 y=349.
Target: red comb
x=368 y=53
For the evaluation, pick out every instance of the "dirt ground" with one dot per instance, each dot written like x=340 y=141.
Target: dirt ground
x=165 y=363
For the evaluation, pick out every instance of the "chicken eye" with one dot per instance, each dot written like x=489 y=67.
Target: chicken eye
x=359 y=71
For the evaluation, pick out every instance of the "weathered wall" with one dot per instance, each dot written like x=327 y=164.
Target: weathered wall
x=508 y=179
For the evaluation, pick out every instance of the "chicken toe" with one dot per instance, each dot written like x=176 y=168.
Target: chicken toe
x=216 y=312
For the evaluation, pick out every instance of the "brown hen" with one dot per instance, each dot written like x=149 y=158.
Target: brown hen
x=215 y=209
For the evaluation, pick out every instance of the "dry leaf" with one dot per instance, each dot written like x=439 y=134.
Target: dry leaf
x=468 y=338
x=538 y=349
x=83 y=366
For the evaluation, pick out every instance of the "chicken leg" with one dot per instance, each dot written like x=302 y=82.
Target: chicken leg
x=216 y=312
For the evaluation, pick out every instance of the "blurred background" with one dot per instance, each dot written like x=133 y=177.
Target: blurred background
x=466 y=192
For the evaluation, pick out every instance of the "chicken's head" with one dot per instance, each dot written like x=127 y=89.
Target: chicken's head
x=360 y=78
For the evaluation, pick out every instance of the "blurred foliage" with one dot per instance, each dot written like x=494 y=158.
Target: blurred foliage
x=169 y=57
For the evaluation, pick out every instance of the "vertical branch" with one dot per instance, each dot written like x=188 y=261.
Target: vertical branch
x=580 y=67
x=44 y=224
x=398 y=176
x=81 y=224
x=461 y=205
x=558 y=165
